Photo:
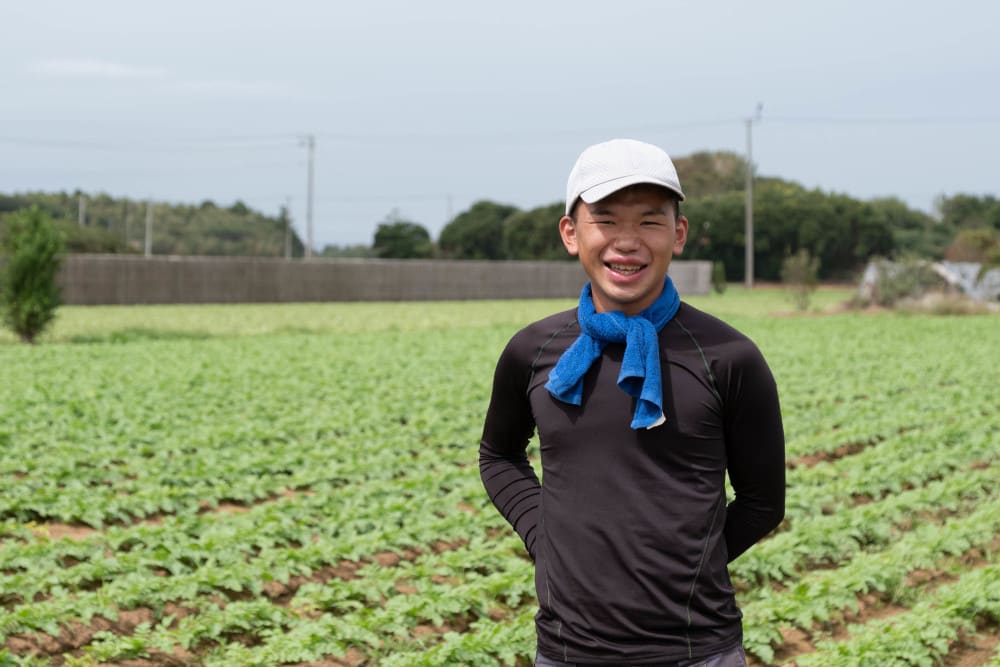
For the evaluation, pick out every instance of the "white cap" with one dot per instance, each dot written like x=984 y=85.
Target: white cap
x=606 y=168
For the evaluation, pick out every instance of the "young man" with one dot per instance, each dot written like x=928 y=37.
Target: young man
x=642 y=404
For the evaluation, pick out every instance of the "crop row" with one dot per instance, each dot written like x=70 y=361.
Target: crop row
x=141 y=437
x=829 y=539
x=379 y=610
x=921 y=635
x=826 y=594
x=342 y=448
x=297 y=530
x=352 y=601
x=197 y=432
x=971 y=435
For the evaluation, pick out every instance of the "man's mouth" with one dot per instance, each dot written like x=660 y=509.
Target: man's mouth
x=625 y=269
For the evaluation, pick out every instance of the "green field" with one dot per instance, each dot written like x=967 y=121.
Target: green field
x=298 y=484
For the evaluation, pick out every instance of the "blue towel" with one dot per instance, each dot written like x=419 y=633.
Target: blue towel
x=640 y=374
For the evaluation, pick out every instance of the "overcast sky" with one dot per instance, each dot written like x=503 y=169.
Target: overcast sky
x=425 y=107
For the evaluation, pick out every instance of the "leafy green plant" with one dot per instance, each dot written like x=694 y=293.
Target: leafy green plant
x=719 y=277
x=266 y=509
x=922 y=635
x=800 y=273
x=28 y=291
x=894 y=281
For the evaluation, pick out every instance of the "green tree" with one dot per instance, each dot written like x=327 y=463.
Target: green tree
x=534 y=234
x=356 y=250
x=981 y=244
x=118 y=225
x=711 y=172
x=476 y=233
x=89 y=238
x=716 y=231
x=842 y=232
x=401 y=239
x=969 y=211
x=800 y=273
x=913 y=232
x=29 y=295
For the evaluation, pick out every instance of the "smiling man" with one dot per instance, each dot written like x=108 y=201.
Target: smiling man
x=642 y=405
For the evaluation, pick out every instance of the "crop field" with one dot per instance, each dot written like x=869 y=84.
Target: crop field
x=298 y=485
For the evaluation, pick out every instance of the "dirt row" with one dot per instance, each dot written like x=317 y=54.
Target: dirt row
x=75 y=636
x=968 y=651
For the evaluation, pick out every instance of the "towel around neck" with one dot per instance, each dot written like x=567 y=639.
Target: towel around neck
x=640 y=376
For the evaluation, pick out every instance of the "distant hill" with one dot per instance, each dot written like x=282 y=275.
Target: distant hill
x=112 y=225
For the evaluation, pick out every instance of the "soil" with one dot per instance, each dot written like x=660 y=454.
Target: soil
x=847 y=449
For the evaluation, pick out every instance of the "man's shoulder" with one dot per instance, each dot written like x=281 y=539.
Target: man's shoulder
x=715 y=338
x=695 y=320
x=542 y=332
x=552 y=335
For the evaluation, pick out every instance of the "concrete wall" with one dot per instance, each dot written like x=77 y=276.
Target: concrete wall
x=129 y=279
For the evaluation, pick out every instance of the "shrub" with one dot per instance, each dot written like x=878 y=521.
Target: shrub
x=887 y=283
x=29 y=295
x=800 y=272
x=976 y=245
x=718 y=277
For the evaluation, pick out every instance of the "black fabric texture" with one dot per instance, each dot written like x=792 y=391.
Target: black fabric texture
x=629 y=530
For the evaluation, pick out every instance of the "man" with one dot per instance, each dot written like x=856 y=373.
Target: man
x=642 y=404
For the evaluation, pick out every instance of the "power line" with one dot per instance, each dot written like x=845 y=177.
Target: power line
x=522 y=134
x=164 y=146
x=885 y=120
x=381 y=199
x=283 y=140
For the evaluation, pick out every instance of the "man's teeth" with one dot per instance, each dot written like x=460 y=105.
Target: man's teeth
x=624 y=268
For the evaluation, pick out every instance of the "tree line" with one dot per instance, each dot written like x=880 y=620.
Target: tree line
x=842 y=233
x=104 y=224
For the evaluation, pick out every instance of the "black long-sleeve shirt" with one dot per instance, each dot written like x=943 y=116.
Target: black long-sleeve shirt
x=630 y=531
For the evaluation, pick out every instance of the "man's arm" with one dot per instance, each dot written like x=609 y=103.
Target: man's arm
x=755 y=451
x=510 y=481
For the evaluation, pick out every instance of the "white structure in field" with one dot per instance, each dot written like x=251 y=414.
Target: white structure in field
x=969 y=278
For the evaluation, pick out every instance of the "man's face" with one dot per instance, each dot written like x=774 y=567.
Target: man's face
x=625 y=243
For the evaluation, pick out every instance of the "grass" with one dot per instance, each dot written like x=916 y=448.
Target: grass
x=121 y=324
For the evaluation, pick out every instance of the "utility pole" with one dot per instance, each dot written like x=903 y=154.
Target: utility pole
x=128 y=220
x=310 y=143
x=81 y=209
x=288 y=227
x=149 y=228
x=748 y=232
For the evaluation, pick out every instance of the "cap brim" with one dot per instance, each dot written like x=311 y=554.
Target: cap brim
x=608 y=188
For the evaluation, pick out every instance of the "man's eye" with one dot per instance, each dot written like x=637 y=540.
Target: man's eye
x=655 y=223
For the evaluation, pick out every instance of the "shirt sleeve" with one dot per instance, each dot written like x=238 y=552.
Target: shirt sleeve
x=510 y=481
x=755 y=452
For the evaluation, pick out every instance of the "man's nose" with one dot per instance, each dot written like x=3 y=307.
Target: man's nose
x=626 y=238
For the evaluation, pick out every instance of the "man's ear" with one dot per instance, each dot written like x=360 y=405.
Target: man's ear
x=680 y=234
x=567 y=230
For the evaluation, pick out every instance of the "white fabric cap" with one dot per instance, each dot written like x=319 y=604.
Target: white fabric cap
x=606 y=168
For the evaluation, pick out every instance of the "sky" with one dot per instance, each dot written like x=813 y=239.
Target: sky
x=419 y=109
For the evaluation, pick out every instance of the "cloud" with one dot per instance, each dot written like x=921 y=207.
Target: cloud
x=228 y=88
x=91 y=68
